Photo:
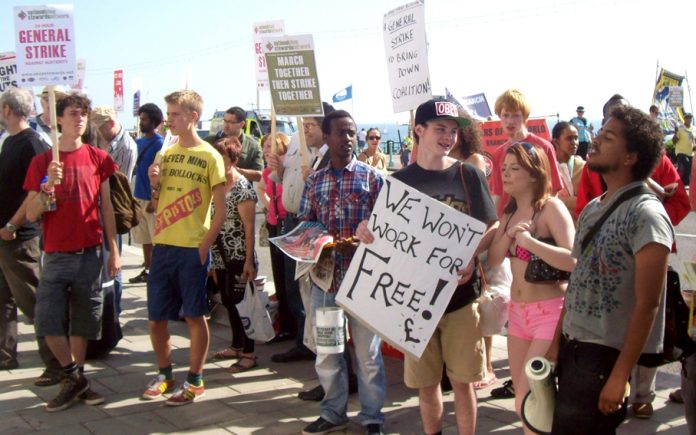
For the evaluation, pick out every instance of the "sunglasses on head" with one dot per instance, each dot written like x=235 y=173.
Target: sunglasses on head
x=530 y=149
x=374 y=137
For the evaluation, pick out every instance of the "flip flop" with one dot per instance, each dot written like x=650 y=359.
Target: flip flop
x=480 y=385
x=228 y=353
x=239 y=368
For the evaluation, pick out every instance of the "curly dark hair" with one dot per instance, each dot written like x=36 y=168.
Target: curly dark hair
x=76 y=100
x=469 y=137
x=643 y=136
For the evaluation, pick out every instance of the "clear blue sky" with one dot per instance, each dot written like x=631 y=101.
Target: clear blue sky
x=560 y=53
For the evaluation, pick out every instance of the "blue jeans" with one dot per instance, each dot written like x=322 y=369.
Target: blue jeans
x=333 y=373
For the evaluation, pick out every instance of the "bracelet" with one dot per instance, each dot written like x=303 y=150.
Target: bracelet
x=46 y=190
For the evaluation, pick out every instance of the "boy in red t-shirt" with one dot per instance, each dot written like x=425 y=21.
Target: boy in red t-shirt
x=71 y=274
x=513 y=109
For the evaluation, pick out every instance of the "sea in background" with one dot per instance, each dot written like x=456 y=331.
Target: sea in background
x=397 y=132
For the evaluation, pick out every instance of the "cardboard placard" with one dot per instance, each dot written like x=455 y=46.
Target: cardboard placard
x=292 y=75
x=262 y=30
x=400 y=285
x=406 y=49
x=45 y=45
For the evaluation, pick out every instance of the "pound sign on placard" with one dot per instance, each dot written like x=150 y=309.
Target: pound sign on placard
x=408 y=329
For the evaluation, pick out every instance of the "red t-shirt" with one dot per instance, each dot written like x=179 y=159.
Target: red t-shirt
x=272 y=215
x=496 y=179
x=676 y=206
x=74 y=224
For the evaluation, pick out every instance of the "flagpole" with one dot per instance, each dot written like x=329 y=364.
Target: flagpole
x=688 y=87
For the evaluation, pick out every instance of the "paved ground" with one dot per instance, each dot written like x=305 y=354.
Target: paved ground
x=262 y=401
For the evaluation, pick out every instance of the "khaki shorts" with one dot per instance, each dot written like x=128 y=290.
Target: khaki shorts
x=457 y=342
x=145 y=230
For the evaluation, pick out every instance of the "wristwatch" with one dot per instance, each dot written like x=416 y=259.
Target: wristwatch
x=11 y=228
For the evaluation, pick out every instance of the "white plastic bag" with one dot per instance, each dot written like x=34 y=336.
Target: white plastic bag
x=255 y=317
x=493 y=309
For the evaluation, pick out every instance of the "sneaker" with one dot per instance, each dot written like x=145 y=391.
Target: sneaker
x=676 y=396
x=139 y=279
x=91 y=397
x=71 y=388
x=316 y=394
x=642 y=410
x=294 y=354
x=505 y=392
x=373 y=429
x=158 y=386
x=186 y=394
x=321 y=426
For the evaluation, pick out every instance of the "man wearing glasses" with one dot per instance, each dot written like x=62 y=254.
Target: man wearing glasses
x=250 y=162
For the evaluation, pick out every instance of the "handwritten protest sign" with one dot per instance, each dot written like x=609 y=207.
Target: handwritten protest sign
x=400 y=285
x=407 y=56
x=8 y=71
x=264 y=30
x=292 y=75
x=45 y=45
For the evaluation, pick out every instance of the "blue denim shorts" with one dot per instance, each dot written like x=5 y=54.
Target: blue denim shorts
x=70 y=295
x=176 y=284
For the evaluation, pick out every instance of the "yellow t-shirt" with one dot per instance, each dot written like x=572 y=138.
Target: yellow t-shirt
x=187 y=178
x=685 y=141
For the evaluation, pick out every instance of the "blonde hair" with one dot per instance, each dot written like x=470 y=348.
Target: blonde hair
x=512 y=100
x=187 y=99
x=282 y=141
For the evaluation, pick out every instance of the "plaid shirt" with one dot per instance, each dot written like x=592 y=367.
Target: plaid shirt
x=340 y=200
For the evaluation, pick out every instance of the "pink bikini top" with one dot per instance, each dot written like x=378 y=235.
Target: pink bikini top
x=520 y=252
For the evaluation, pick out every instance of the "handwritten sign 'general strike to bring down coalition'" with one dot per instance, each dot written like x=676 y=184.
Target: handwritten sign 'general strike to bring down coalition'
x=400 y=285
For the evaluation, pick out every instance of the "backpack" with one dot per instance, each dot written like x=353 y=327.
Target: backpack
x=126 y=207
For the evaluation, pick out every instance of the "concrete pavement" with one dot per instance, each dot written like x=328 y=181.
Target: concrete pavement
x=261 y=401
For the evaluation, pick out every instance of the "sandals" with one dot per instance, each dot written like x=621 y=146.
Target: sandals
x=238 y=367
x=48 y=378
x=228 y=353
x=487 y=382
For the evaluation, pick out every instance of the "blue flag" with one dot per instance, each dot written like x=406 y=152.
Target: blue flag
x=343 y=95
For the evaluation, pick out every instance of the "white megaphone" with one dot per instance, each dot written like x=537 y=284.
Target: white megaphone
x=538 y=404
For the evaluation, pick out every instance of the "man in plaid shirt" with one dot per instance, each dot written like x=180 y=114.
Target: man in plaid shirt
x=340 y=196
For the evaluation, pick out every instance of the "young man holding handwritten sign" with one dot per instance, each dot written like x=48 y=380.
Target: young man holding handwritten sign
x=457 y=341
x=339 y=196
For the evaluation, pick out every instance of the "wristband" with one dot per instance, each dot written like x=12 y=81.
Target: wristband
x=46 y=190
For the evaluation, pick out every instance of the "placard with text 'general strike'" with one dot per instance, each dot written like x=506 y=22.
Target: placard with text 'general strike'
x=292 y=75
x=45 y=45
x=263 y=30
x=400 y=285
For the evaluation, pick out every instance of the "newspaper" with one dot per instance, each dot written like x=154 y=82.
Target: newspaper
x=305 y=242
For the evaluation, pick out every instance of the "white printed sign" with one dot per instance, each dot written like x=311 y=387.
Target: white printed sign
x=400 y=285
x=264 y=30
x=45 y=45
x=8 y=71
x=407 y=56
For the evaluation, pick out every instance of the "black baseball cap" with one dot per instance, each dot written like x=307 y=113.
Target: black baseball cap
x=580 y=109
x=439 y=109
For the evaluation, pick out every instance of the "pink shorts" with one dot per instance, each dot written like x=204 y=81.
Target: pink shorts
x=534 y=320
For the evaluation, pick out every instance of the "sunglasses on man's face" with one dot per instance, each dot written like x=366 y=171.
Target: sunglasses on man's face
x=374 y=137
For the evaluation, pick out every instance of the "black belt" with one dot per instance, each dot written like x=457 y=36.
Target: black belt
x=79 y=251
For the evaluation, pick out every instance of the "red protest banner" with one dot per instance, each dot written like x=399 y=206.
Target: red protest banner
x=118 y=90
x=492 y=136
